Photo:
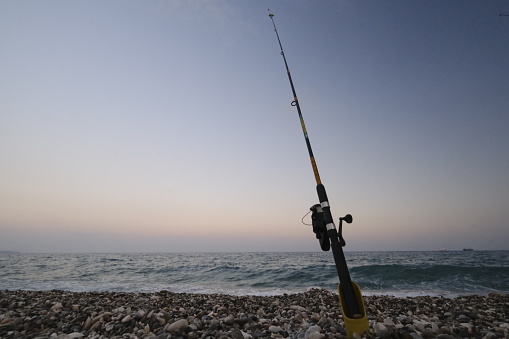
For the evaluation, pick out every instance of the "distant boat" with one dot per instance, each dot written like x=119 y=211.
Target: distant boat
x=443 y=250
x=468 y=249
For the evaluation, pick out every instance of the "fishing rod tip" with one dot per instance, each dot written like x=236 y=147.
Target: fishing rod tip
x=270 y=14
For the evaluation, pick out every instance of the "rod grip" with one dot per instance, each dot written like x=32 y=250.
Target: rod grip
x=351 y=307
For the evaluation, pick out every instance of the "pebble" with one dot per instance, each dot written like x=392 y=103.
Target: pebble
x=127 y=318
x=237 y=334
x=228 y=321
x=314 y=314
x=419 y=326
x=177 y=325
x=313 y=332
x=379 y=327
x=275 y=329
x=383 y=335
x=389 y=322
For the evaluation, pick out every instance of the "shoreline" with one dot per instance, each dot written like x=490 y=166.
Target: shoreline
x=313 y=314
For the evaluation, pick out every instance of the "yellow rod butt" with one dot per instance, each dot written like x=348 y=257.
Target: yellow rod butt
x=359 y=323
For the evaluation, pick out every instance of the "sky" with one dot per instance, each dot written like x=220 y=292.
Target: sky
x=166 y=126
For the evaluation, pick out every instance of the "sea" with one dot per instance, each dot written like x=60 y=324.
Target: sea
x=401 y=274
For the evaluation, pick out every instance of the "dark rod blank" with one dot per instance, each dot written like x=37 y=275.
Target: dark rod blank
x=353 y=309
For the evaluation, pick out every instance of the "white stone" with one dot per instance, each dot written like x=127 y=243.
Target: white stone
x=275 y=329
x=299 y=308
x=313 y=332
x=379 y=327
x=57 y=306
x=389 y=322
x=127 y=318
x=178 y=325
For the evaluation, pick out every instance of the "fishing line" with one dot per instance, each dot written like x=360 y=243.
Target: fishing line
x=305 y=215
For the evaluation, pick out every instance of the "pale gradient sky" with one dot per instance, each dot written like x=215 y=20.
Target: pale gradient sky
x=166 y=126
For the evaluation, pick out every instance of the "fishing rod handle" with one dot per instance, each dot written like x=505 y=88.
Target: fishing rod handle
x=352 y=308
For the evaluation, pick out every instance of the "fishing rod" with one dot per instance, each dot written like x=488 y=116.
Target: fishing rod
x=328 y=236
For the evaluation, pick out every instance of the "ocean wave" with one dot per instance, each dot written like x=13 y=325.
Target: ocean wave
x=394 y=273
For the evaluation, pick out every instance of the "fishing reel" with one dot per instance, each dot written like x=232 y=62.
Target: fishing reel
x=320 y=230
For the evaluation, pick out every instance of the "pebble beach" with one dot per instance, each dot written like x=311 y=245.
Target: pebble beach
x=314 y=314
